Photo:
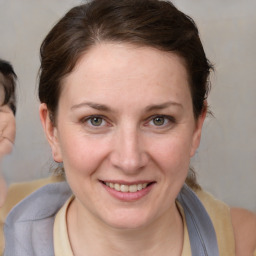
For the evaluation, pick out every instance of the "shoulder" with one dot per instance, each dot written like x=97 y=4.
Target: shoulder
x=235 y=227
x=217 y=210
x=219 y=213
x=244 y=225
x=34 y=212
x=18 y=191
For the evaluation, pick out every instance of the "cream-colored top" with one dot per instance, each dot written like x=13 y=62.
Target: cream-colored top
x=220 y=216
x=218 y=211
x=186 y=250
x=61 y=242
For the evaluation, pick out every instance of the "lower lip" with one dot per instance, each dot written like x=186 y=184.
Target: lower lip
x=128 y=196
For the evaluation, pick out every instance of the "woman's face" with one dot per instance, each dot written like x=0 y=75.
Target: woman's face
x=125 y=122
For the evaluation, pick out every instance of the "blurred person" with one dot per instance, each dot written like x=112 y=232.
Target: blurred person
x=7 y=115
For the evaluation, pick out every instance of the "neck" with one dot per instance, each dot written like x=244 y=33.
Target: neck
x=162 y=237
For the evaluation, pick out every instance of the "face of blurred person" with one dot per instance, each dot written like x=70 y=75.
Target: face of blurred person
x=7 y=124
x=125 y=132
x=7 y=135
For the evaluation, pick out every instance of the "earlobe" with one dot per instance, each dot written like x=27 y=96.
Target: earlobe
x=50 y=131
x=198 y=130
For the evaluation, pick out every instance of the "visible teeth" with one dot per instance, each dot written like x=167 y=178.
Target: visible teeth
x=133 y=188
x=144 y=185
x=126 y=188
x=117 y=187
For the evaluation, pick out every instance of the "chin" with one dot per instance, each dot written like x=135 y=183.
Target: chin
x=126 y=220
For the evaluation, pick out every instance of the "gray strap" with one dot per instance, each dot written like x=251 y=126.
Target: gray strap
x=29 y=226
x=200 y=228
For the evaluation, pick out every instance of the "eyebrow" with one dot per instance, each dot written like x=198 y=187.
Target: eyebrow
x=102 y=107
x=97 y=106
x=163 y=106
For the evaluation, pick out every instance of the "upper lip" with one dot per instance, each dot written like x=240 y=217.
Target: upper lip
x=128 y=182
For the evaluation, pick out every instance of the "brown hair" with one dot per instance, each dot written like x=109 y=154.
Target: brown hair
x=153 y=23
x=9 y=83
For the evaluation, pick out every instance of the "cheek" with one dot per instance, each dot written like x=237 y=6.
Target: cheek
x=82 y=154
x=172 y=154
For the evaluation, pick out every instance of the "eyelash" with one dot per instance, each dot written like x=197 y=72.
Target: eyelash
x=167 y=121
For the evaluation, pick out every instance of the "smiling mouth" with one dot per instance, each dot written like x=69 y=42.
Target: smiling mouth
x=127 y=188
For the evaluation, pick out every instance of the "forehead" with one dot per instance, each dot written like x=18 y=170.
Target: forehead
x=124 y=55
x=126 y=68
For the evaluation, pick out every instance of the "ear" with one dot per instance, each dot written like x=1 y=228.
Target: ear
x=198 y=130
x=51 y=132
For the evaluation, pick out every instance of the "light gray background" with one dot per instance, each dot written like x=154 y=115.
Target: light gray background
x=226 y=159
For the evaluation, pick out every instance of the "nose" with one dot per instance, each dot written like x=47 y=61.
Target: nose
x=129 y=154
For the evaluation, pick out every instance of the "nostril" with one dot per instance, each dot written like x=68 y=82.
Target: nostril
x=128 y=153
